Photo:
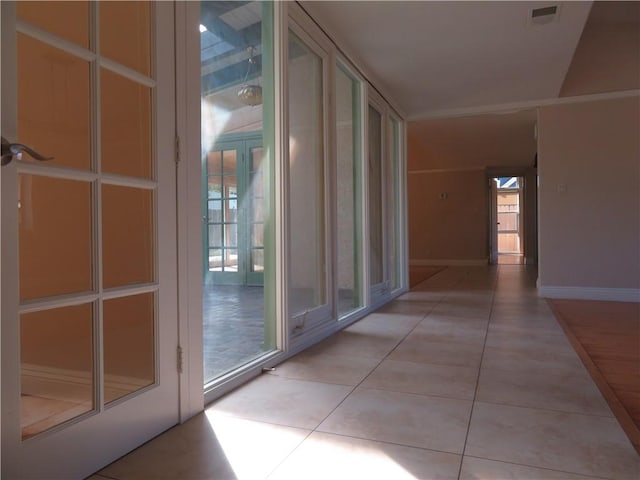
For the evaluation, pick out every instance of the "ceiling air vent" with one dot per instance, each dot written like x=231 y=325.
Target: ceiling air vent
x=542 y=15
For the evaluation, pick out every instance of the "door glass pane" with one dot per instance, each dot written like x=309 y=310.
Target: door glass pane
x=348 y=192
x=215 y=186
x=375 y=197
x=231 y=235
x=125 y=34
x=257 y=235
x=214 y=163
x=215 y=210
x=230 y=186
x=229 y=162
x=231 y=210
x=55 y=251
x=69 y=20
x=231 y=259
x=256 y=202
x=257 y=260
x=129 y=344
x=53 y=113
x=56 y=360
x=127 y=236
x=215 y=259
x=306 y=179
x=258 y=212
x=256 y=159
x=237 y=120
x=508 y=213
x=126 y=126
x=215 y=235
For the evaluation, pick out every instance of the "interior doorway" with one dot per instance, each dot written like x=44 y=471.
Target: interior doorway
x=507 y=220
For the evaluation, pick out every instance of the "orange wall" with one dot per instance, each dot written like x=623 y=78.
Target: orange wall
x=452 y=228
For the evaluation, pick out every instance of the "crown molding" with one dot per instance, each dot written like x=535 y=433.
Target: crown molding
x=507 y=108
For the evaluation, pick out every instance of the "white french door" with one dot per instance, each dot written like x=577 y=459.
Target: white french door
x=88 y=266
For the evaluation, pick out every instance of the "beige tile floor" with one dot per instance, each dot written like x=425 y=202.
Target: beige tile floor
x=467 y=376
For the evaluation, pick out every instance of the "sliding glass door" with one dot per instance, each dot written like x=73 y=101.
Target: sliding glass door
x=309 y=267
x=238 y=247
x=348 y=190
x=297 y=198
x=385 y=201
x=377 y=271
x=394 y=203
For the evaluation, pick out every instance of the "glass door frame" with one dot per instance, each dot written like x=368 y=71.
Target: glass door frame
x=396 y=165
x=302 y=326
x=378 y=292
x=360 y=204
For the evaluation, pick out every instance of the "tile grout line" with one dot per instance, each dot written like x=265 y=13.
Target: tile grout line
x=543 y=409
x=537 y=467
x=315 y=429
x=475 y=393
x=515 y=406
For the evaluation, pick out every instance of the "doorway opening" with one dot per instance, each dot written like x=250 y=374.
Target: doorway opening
x=507 y=221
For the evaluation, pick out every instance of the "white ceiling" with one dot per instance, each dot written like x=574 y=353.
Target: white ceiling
x=444 y=58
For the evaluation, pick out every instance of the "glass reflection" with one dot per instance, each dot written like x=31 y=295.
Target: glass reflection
x=125 y=33
x=66 y=19
x=375 y=197
x=126 y=126
x=129 y=345
x=127 y=236
x=306 y=179
x=50 y=119
x=349 y=215
x=236 y=55
x=56 y=361
x=63 y=264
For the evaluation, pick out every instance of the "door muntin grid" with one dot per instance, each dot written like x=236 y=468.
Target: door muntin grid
x=93 y=114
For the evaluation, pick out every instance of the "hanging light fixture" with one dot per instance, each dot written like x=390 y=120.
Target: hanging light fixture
x=250 y=94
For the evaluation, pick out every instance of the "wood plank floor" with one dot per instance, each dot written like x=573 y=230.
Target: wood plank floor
x=606 y=335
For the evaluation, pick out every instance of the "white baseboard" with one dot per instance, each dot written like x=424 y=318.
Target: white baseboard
x=592 y=293
x=448 y=263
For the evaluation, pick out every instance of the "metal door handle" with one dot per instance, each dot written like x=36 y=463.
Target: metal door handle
x=9 y=151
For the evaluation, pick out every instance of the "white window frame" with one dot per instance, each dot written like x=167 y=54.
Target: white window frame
x=304 y=326
x=342 y=63
x=379 y=292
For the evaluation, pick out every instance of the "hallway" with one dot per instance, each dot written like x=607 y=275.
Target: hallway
x=467 y=376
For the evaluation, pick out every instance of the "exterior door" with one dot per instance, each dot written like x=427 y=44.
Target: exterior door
x=233 y=207
x=88 y=262
x=493 y=221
